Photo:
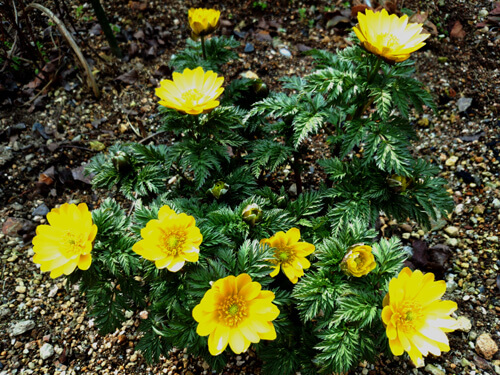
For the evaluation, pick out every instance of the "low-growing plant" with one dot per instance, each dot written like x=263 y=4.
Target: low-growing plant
x=215 y=253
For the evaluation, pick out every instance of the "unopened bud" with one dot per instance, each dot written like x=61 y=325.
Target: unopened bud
x=252 y=214
x=121 y=162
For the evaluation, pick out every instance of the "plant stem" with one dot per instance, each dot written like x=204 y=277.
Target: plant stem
x=106 y=28
x=371 y=75
x=203 y=47
x=296 y=171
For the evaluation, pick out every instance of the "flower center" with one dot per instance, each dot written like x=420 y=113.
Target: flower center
x=232 y=310
x=358 y=259
x=192 y=97
x=408 y=315
x=389 y=40
x=74 y=244
x=283 y=255
x=173 y=242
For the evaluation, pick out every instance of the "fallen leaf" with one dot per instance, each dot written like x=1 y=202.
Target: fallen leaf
x=136 y=5
x=47 y=177
x=129 y=78
x=78 y=174
x=457 y=31
x=473 y=137
x=97 y=146
x=358 y=8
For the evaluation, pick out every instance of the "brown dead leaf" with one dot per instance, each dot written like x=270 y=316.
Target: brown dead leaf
x=136 y=5
x=129 y=78
x=496 y=11
x=457 y=32
x=358 y=8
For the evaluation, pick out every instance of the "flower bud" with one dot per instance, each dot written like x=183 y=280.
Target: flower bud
x=219 y=188
x=252 y=214
x=400 y=183
x=121 y=162
x=358 y=261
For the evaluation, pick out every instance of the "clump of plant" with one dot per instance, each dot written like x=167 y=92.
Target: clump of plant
x=225 y=261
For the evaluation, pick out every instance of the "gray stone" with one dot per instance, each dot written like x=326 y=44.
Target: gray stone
x=46 y=351
x=21 y=327
x=463 y=104
x=451 y=286
x=285 y=52
x=41 y=210
x=496 y=203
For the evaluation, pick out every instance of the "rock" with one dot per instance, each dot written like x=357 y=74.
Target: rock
x=459 y=209
x=41 y=210
x=285 y=52
x=479 y=209
x=486 y=346
x=406 y=228
x=20 y=289
x=431 y=369
x=463 y=104
x=463 y=324
x=452 y=242
x=11 y=226
x=451 y=286
x=492 y=238
x=452 y=160
x=133 y=358
x=53 y=291
x=46 y=351
x=496 y=203
x=249 y=48
x=21 y=327
x=452 y=231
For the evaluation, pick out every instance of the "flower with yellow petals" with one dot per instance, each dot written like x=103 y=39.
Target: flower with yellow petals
x=203 y=21
x=358 y=261
x=389 y=36
x=289 y=254
x=236 y=311
x=66 y=242
x=192 y=92
x=170 y=241
x=415 y=317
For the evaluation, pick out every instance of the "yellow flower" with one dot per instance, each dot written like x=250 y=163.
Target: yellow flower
x=235 y=311
x=193 y=91
x=203 y=21
x=289 y=253
x=358 y=261
x=415 y=317
x=389 y=37
x=170 y=241
x=66 y=242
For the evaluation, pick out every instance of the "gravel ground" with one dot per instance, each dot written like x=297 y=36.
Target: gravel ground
x=44 y=327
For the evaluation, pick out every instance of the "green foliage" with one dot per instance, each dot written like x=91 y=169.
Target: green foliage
x=219 y=52
x=218 y=166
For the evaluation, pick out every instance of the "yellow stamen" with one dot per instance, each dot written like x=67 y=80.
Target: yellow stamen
x=73 y=244
x=173 y=242
x=232 y=310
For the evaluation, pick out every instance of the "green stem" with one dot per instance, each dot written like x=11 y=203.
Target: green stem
x=297 y=168
x=203 y=47
x=362 y=108
x=106 y=28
